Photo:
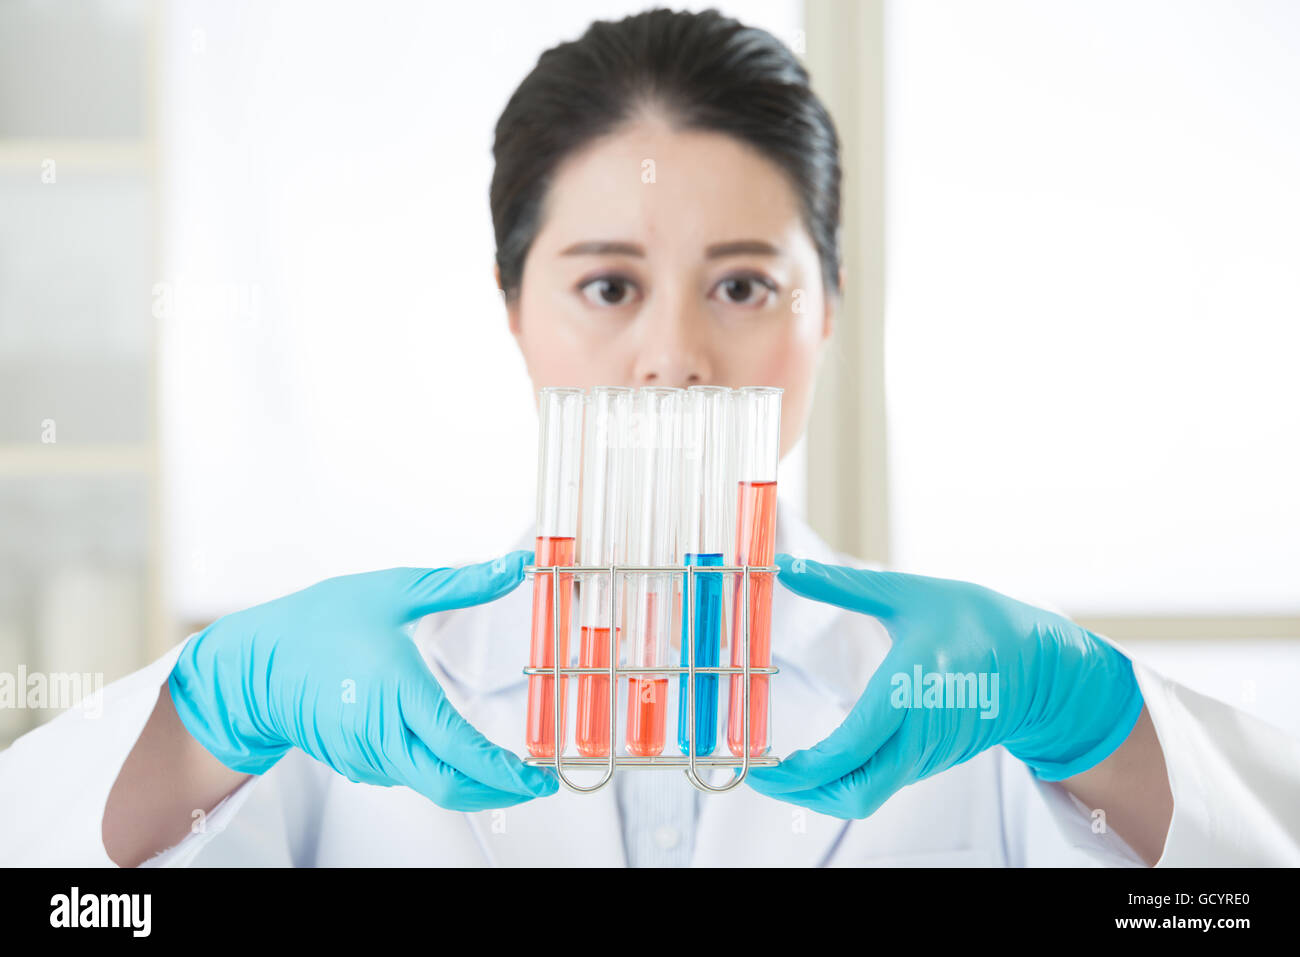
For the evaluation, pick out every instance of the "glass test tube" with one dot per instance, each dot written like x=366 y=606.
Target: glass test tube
x=601 y=541
x=559 y=456
x=705 y=509
x=758 y=446
x=651 y=538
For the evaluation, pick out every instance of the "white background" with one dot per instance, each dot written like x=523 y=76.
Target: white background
x=1093 y=300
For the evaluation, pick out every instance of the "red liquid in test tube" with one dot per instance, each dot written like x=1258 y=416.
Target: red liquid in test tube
x=603 y=533
x=647 y=700
x=647 y=715
x=560 y=413
x=593 y=693
x=652 y=528
x=541 y=688
x=755 y=545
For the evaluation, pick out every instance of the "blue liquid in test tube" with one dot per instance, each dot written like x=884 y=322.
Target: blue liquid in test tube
x=708 y=526
x=708 y=642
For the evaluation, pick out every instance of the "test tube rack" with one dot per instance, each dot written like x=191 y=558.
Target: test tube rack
x=691 y=763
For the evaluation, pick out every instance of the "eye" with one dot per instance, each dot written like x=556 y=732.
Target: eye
x=746 y=289
x=608 y=290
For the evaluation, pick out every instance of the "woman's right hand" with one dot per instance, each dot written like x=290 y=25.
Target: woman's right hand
x=331 y=670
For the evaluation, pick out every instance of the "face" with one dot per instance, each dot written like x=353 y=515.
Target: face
x=672 y=258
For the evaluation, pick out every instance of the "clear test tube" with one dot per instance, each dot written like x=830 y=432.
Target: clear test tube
x=601 y=541
x=559 y=459
x=757 y=429
x=652 y=538
x=707 y=499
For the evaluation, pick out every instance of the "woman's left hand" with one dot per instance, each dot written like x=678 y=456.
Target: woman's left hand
x=1055 y=695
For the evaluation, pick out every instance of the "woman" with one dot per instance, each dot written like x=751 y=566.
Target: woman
x=666 y=204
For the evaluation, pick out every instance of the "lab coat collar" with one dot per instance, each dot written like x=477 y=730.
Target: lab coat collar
x=484 y=648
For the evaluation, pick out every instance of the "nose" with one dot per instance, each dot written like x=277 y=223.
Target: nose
x=674 y=348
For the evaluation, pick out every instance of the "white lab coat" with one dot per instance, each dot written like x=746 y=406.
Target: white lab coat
x=1235 y=779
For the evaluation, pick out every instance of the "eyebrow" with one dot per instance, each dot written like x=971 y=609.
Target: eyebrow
x=599 y=247
x=602 y=247
x=741 y=246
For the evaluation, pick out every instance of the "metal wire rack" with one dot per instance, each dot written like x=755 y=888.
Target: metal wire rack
x=690 y=763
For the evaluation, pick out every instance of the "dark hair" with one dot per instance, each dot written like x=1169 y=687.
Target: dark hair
x=706 y=71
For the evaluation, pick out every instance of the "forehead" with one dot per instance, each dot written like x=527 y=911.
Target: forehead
x=649 y=180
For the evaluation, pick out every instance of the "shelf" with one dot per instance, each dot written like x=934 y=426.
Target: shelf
x=1210 y=627
x=23 y=155
x=33 y=459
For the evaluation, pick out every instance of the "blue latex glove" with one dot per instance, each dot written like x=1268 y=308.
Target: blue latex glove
x=1065 y=699
x=331 y=670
